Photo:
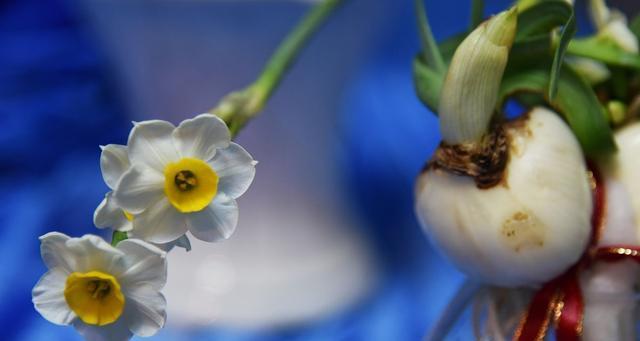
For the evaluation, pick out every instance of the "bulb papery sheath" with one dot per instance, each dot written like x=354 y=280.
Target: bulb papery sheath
x=470 y=90
x=528 y=228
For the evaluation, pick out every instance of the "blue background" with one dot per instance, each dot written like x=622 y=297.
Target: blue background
x=58 y=103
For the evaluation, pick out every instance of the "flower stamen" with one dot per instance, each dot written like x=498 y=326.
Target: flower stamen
x=185 y=180
x=99 y=289
x=95 y=297
x=190 y=184
x=127 y=215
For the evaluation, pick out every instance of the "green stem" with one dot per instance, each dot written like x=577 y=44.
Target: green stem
x=117 y=237
x=239 y=107
x=287 y=52
x=430 y=50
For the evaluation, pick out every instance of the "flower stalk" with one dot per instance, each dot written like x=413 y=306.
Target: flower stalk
x=238 y=108
x=430 y=52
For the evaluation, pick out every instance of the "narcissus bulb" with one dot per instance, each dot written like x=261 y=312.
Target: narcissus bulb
x=625 y=165
x=609 y=289
x=509 y=203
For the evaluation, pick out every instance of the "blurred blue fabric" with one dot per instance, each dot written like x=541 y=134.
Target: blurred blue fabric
x=56 y=107
x=57 y=104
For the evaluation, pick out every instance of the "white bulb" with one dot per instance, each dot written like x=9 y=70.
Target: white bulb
x=609 y=289
x=626 y=164
x=527 y=229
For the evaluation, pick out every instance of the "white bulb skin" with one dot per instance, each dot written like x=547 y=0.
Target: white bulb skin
x=527 y=229
x=625 y=165
x=609 y=288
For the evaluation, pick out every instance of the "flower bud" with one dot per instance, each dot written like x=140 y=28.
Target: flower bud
x=470 y=89
x=612 y=26
x=592 y=71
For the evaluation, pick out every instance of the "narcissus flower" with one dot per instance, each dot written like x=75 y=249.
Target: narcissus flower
x=184 y=178
x=114 y=162
x=612 y=25
x=105 y=292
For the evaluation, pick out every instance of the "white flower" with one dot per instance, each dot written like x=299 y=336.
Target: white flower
x=114 y=162
x=592 y=71
x=105 y=292
x=184 y=179
x=612 y=25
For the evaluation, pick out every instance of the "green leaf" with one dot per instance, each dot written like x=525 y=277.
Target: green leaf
x=605 y=51
x=429 y=68
x=428 y=84
x=531 y=33
x=448 y=46
x=575 y=101
x=430 y=50
x=523 y=53
x=542 y=17
x=117 y=237
x=568 y=31
x=635 y=26
x=619 y=83
x=477 y=13
x=530 y=51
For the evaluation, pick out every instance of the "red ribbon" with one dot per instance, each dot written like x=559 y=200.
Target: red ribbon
x=560 y=300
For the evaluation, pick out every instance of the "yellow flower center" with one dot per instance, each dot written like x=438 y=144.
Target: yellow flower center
x=190 y=184
x=128 y=215
x=95 y=297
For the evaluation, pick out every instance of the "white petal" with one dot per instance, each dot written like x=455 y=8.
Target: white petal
x=145 y=310
x=113 y=163
x=93 y=253
x=160 y=223
x=182 y=242
x=199 y=137
x=217 y=221
x=150 y=144
x=48 y=297
x=236 y=169
x=620 y=33
x=144 y=263
x=138 y=189
x=108 y=214
x=55 y=252
x=116 y=331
